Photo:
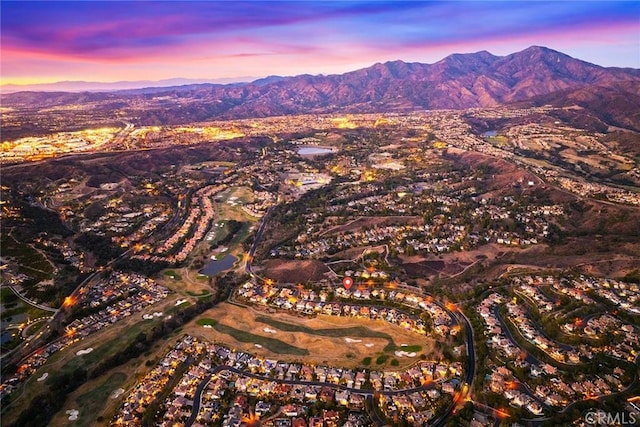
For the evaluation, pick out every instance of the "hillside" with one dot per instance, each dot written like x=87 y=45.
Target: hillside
x=459 y=81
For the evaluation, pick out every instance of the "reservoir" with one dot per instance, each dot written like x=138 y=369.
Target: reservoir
x=215 y=267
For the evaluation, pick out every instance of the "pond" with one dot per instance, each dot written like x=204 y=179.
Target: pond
x=215 y=267
x=311 y=150
x=490 y=134
x=7 y=336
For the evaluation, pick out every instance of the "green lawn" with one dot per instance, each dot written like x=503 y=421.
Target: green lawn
x=7 y=296
x=176 y=308
x=92 y=403
x=172 y=275
x=271 y=344
x=99 y=353
x=203 y=293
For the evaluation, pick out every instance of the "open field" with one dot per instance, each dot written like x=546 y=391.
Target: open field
x=328 y=339
x=91 y=400
x=369 y=221
x=430 y=266
x=294 y=271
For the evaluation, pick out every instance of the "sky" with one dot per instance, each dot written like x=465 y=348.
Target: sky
x=51 y=41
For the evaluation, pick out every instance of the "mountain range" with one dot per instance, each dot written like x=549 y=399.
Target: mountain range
x=534 y=76
x=82 y=86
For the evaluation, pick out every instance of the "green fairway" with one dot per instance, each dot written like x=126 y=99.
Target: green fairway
x=203 y=293
x=410 y=348
x=172 y=275
x=93 y=402
x=271 y=344
x=66 y=361
x=354 y=331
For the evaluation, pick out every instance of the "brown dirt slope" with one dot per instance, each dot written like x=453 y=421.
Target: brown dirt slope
x=295 y=271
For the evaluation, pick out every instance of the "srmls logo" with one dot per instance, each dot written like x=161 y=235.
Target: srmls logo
x=601 y=418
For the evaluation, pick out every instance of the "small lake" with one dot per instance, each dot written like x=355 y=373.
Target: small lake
x=314 y=151
x=490 y=134
x=215 y=267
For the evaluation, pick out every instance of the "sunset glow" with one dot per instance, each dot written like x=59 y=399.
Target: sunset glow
x=112 y=41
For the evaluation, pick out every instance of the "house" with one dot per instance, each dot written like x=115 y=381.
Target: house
x=342 y=397
x=448 y=387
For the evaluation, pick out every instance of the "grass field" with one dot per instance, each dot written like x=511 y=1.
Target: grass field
x=274 y=345
x=203 y=293
x=354 y=331
x=68 y=361
x=93 y=401
x=171 y=274
x=334 y=340
x=104 y=343
x=410 y=348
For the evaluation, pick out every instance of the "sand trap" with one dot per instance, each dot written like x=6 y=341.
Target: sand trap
x=351 y=340
x=405 y=354
x=117 y=393
x=151 y=316
x=83 y=352
x=270 y=331
x=73 y=414
x=258 y=346
x=180 y=301
x=404 y=345
x=369 y=345
x=207 y=326
x=43 y=377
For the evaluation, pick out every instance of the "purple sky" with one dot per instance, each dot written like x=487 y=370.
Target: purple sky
x=113 y=41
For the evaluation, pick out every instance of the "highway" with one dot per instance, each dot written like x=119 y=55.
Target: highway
x=30 y=302
x=256 y=240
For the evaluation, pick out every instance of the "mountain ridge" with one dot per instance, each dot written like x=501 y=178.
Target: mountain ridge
x=75 y=86
x=458 y=81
